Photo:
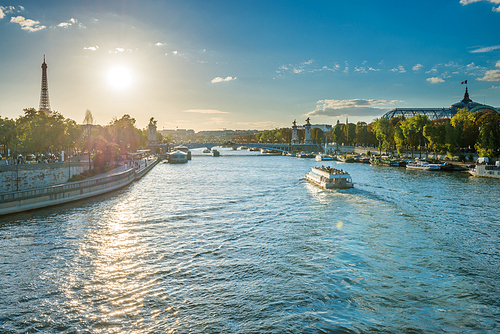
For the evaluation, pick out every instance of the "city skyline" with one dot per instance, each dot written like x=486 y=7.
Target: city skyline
x=247 y=65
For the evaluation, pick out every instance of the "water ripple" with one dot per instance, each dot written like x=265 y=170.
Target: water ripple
x=244 y=245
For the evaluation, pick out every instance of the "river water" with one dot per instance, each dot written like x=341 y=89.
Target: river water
x=245 y=245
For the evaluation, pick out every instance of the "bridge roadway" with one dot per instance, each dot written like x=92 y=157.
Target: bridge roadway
x=281 y=147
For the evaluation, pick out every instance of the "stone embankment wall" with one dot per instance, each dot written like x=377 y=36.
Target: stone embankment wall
x=38 y=198
x=30 y=176
x=18 y=201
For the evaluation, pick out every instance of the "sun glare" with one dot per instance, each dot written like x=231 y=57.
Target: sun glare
x=119 y=78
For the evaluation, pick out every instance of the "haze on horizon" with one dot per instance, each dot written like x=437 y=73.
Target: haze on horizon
x=211 y=65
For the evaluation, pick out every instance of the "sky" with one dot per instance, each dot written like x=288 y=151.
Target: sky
x=214 y=64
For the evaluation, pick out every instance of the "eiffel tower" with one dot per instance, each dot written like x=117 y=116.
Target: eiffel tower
x=44 y=95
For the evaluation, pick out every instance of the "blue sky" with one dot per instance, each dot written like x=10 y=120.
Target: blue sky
x=209 y=65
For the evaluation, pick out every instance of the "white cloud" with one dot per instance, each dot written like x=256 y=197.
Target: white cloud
x=71 y=22
x=496 y=2
x=486 y=49
x=492 y=75
x=91 y=48
x=494 y=87
x=160 y=44
x=219 y=79
x=206 y=111
x=355 y=107
x=4 y=10
x=364 y=69
x=27 y=24
x=435 y=80
x=417 y=67
x=399 y=69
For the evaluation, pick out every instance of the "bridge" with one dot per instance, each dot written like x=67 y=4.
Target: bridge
x=277 y=147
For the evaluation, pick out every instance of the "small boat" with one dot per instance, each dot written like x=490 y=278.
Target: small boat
x=305 y=155
x=323 y=157
x=265 y=150
x=206 y=151
x=362 y=160
x=423 y=166
x=291 y=154
x=384 y=161
x=251 y=149
x=344 y=158
x=330 y=178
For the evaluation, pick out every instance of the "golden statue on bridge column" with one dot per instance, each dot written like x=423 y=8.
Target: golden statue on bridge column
x=294 y=122
x=307 y=120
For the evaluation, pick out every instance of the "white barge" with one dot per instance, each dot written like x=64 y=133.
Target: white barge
x=330 y=178
x=492 y=171
x=423 y=166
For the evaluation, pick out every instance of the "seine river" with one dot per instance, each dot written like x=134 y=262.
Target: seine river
x=245 y=245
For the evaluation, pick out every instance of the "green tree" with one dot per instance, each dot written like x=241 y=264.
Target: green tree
x=339 y=134
x=384 y=131
x=317 y=135
x=350 y=133
x=489 y=130
x=8 y=133
x=413 y=130
x=361 y=133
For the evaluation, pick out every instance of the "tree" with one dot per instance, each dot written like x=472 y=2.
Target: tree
x=413 y=129
x=350 y=133
x=339 y=134
x=362 y=133
x=126 y=135
x=317 y=135
x=384 y=131
x=435 y=134
x=489 y=129
x=8 y=133
x=399 y=139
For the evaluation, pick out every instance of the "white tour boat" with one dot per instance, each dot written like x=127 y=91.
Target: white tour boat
x=423 y=166
x=486 y=170
x=330 y=178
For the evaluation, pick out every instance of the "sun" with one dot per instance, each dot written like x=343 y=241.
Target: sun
x=119 y=78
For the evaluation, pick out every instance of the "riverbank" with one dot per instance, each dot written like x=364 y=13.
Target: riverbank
x=19 y=201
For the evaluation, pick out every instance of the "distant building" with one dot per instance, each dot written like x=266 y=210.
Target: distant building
x=226 y=133
x=439 y=113
x=177 y=133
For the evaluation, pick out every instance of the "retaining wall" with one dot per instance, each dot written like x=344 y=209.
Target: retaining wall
x=18 y=201
x=38 y=198
x=31 y=176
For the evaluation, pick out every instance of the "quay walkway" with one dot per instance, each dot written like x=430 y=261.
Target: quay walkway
x=117 y=178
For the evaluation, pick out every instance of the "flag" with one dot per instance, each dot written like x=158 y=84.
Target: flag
x=464 y=82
